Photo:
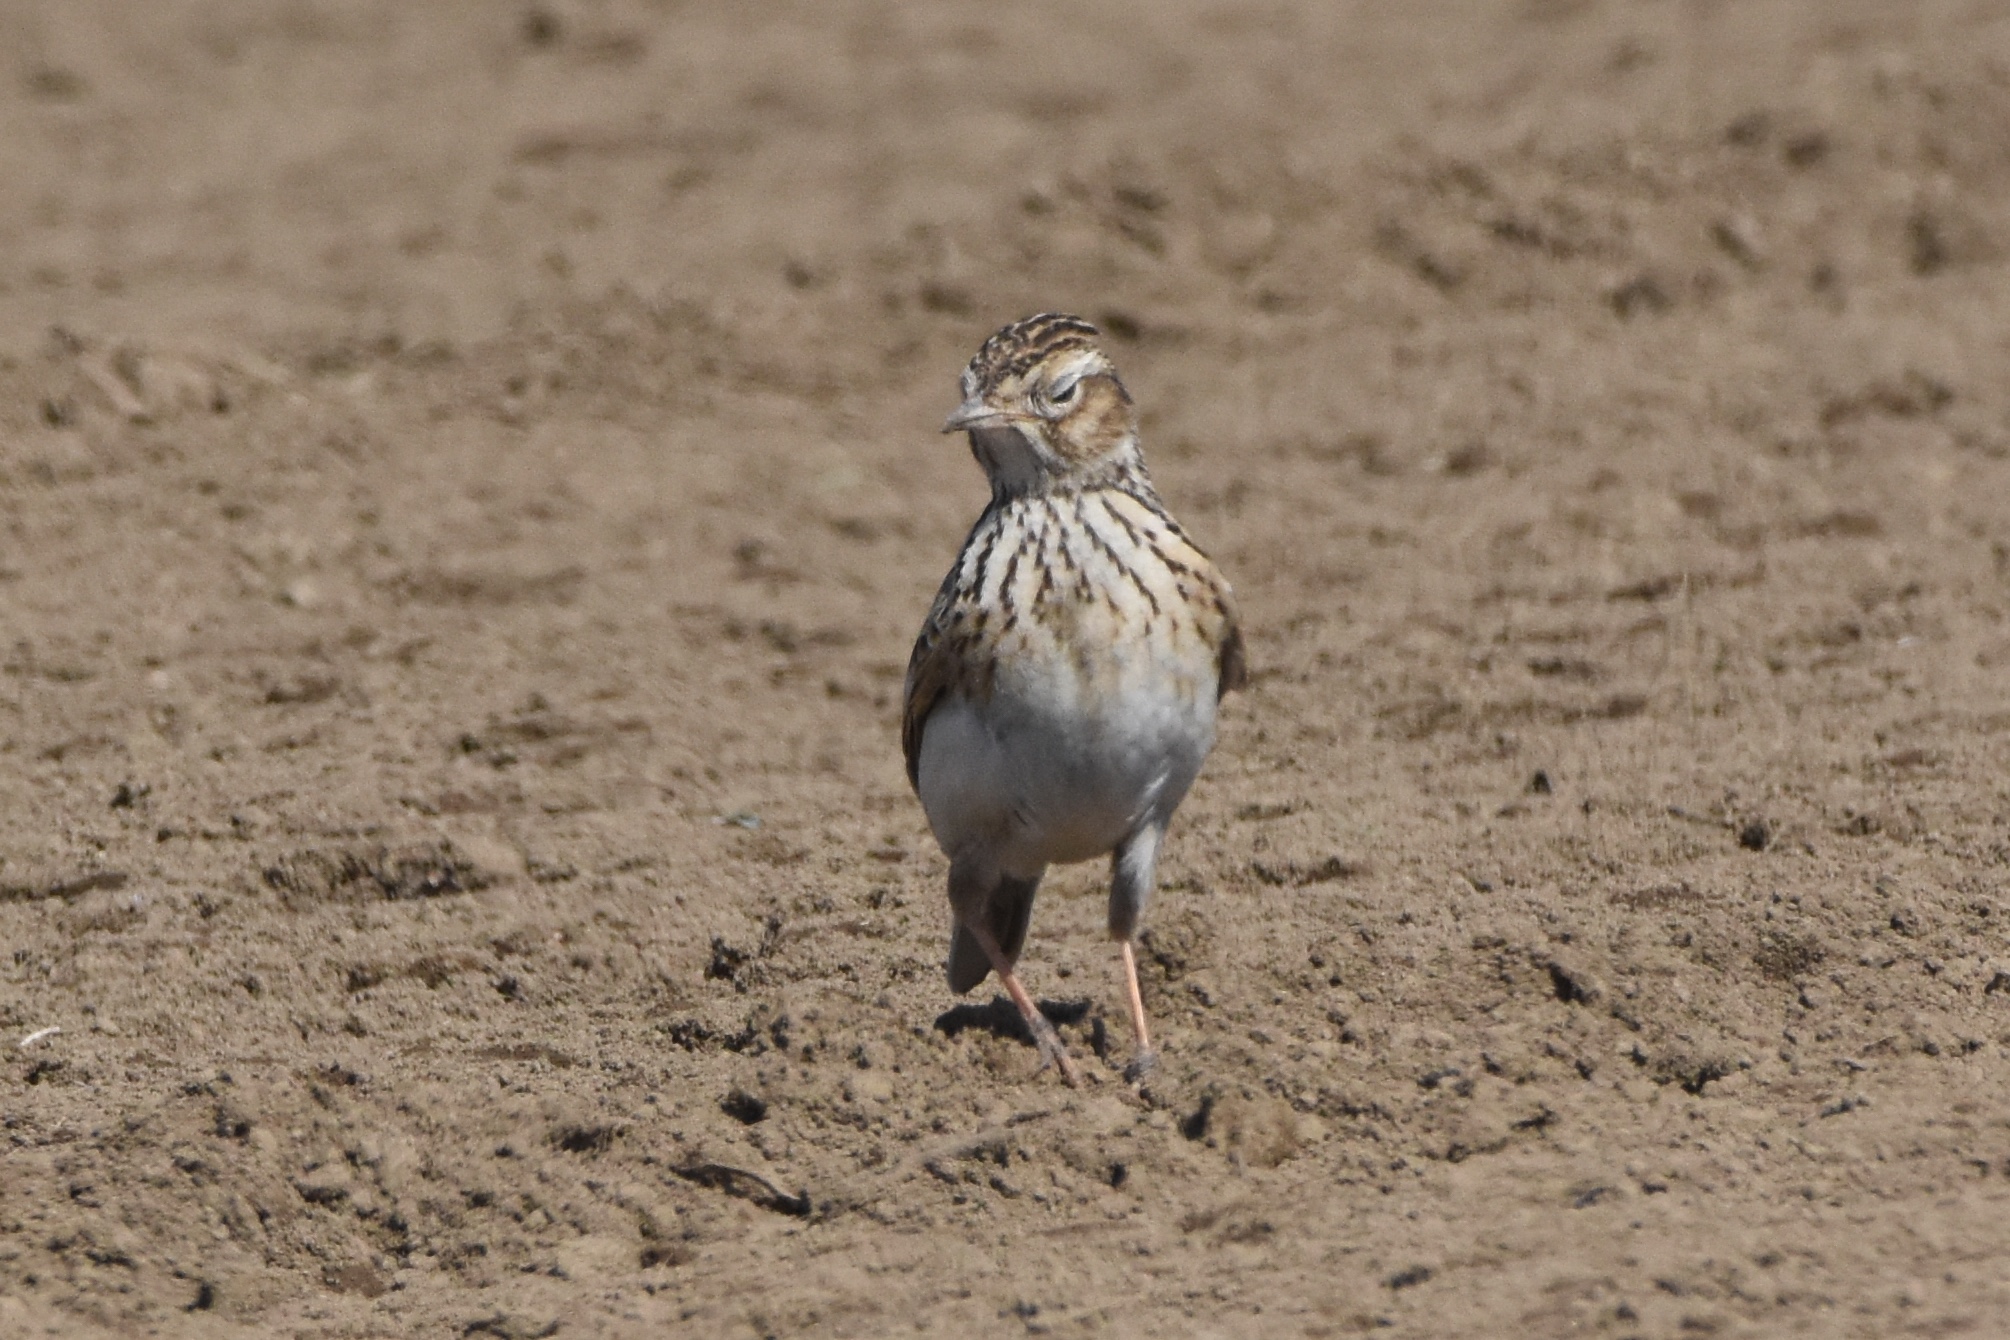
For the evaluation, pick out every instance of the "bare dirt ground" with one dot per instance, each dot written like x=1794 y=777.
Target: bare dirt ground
x=468 y=481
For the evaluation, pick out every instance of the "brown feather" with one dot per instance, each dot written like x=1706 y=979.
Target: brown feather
x=929 y=676
x=1234 y=669
x=946 y=657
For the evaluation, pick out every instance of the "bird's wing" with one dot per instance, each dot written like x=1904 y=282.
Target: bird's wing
x=945 y=658
x=950 y=652
x=1232 y=665
x=929 y=675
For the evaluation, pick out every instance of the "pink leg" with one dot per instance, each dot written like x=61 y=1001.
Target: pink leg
x=1145 y=1058
x=1044 y=1035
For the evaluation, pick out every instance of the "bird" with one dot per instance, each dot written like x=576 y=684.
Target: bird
x=1062 y=694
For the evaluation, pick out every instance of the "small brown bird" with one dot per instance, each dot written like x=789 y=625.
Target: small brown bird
x=1061 y=696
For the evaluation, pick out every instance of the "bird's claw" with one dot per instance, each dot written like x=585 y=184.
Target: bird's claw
x=1052 y=1053
x=1142 y=1064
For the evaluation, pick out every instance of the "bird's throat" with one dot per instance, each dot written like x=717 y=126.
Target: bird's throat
x=1013 y=462
x=1020 y=467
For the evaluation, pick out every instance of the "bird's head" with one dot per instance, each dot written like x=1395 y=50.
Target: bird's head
x=1045 y=410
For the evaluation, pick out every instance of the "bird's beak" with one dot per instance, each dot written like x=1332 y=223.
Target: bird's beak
x=972 y=413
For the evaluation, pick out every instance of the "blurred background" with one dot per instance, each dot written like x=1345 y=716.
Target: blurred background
x=430 y=174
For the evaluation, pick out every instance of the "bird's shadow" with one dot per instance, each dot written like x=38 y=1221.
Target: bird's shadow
x=1000 y=1017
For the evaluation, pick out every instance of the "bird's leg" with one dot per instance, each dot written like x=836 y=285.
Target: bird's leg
x=1144 y=1058
x=1044 y=1036
x=1132 y=873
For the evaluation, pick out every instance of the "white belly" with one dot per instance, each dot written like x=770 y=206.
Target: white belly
x=1053 y=769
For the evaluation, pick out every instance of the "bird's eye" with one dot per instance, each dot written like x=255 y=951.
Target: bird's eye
x=1063 y=393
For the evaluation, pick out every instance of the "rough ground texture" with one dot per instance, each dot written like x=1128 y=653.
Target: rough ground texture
x=467 y=483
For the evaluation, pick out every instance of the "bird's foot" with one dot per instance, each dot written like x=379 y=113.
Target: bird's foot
x=1141 y=1066
x=1052 y=1053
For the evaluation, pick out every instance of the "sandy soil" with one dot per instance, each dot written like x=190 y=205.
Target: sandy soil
x=468 y=481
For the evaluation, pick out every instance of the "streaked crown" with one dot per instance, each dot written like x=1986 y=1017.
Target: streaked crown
x=1045 y=409
x=1024 y=345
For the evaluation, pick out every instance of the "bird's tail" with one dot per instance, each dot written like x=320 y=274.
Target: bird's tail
x=1007 y=913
